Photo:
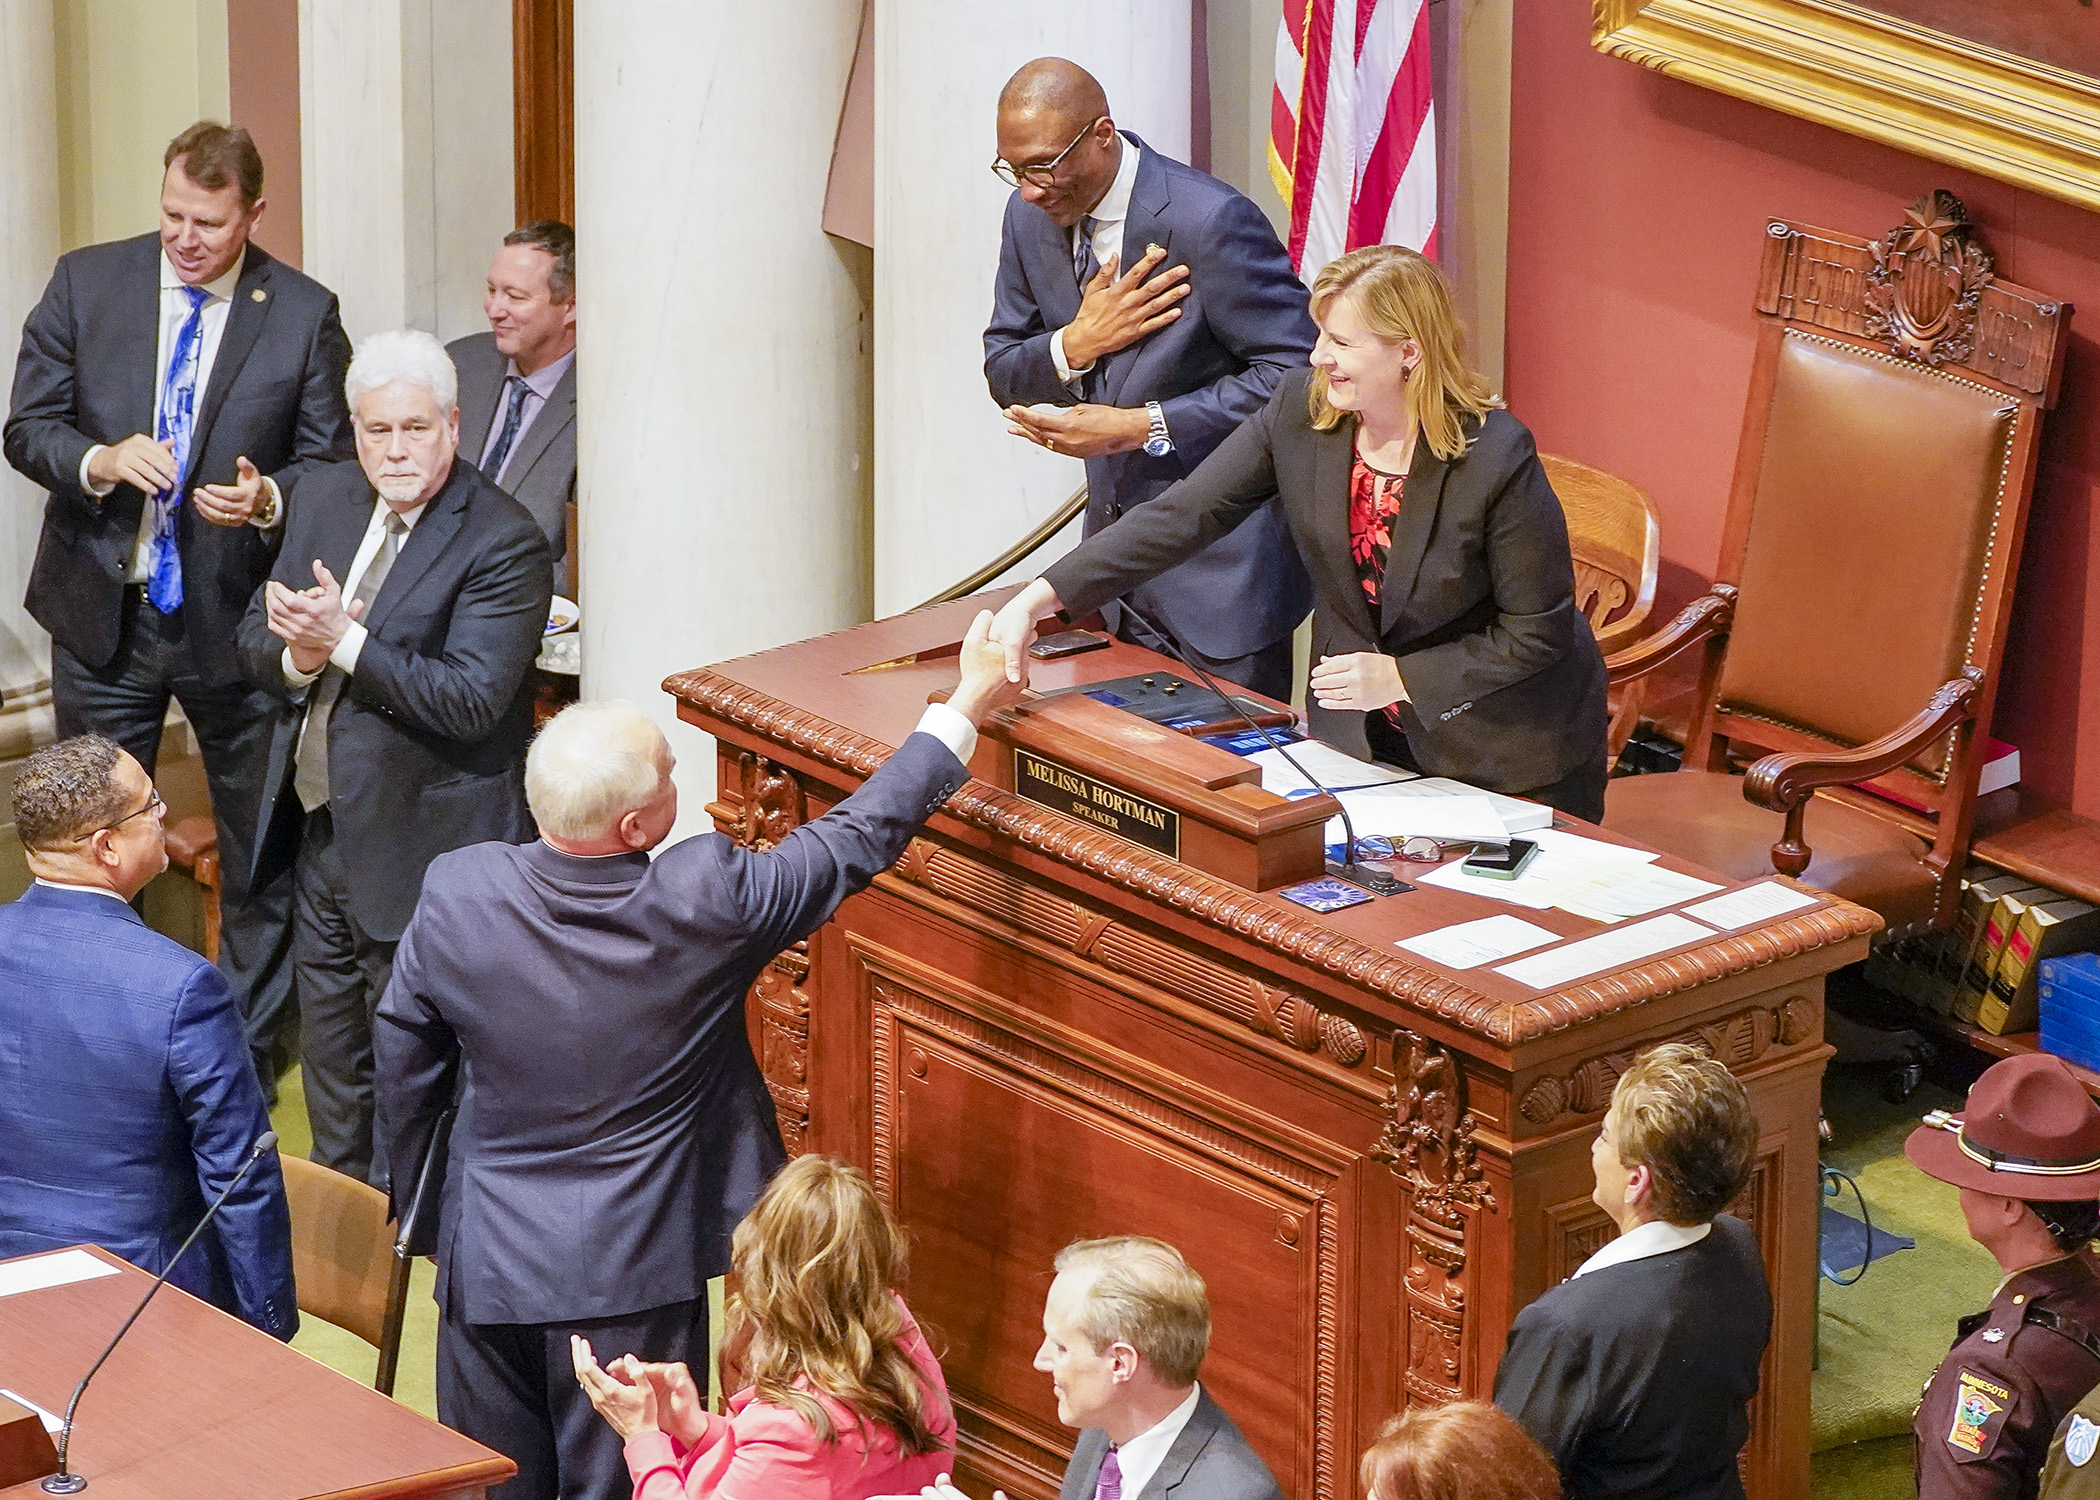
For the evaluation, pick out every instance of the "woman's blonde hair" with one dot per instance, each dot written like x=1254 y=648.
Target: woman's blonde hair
x=816 y=1259
x=1402 y=295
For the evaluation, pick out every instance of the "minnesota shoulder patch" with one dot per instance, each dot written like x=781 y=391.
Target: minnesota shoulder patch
x=1980 y=1405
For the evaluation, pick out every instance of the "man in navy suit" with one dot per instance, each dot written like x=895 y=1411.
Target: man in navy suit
x=187 y=366
x=398 y=633
x=613 y=1126
x=1142 y=311
x=127 y=1100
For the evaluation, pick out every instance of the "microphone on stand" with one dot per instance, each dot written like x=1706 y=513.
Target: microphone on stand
x=1378 y=882
x=65 y=1482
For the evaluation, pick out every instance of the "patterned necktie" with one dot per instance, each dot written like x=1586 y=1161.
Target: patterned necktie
x=310 y=780
x=1110 y=1485
x=178 y=409
x=1084 y=265
x=512 y=419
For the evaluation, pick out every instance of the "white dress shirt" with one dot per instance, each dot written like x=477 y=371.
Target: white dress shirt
x=539 y=388
x=93 y=890
x=346 y=650
x=174 y=312
x=1108 y=216
x=1141 y=1457
x=1656 y=1237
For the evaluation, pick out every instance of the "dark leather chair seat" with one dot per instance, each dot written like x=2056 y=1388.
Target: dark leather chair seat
x=1702 y=816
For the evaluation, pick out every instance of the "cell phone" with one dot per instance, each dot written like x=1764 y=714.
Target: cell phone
x=1067 y=643
x=1500 y=861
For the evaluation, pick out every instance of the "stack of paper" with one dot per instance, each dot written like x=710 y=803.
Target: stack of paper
x=1517 y=815
x=1329 y=766
x=1390 y=811
x=1564 y=861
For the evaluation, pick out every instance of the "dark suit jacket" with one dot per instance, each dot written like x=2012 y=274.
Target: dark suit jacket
x=1637 y=1378
x=1210 y=1460
x=127 y=1101
x=426 y=748
x=614 y=1127
x=1242 y=327
x=542 y=472
x=1478 y=602
x=85 y=376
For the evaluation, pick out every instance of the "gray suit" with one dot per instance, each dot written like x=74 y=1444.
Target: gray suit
x=1210 y=1460
x=541 y=474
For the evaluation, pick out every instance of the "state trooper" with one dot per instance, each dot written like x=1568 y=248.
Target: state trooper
x=2025 y=1153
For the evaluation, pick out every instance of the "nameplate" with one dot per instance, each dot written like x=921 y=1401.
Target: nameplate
x=1079 y=796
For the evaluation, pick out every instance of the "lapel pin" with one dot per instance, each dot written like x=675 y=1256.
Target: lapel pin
x=260 y=295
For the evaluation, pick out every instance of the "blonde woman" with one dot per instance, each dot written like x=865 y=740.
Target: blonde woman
x=844 y=1400
x=1445 y=633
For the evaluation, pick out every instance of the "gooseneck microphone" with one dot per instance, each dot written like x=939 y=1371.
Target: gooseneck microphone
x=65 y=1482
x=1379 y=882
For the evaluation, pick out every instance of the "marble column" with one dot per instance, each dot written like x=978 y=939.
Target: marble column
x=952 y=489
x=723 y=363
x=28 y=246
x=405 y=147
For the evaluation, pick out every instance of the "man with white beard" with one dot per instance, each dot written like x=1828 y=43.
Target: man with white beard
x=399 y=627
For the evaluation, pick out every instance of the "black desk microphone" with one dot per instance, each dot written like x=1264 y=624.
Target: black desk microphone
x=1378 y=882
x=65 y=1482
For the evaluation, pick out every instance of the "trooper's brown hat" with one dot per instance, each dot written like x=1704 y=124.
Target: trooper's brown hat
x=2029 y=1131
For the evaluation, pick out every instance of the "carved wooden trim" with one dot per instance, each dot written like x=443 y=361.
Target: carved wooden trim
x=1428 y=1142
x=943 y=1008
x=1739 y=1040
x=1575 y=1230
x=771 y=806
x=1264 y=922
x=1929 y=276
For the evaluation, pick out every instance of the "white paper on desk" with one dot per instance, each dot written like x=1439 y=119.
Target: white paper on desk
x=1607 y=950
x=1467 y=945
x=1753 y=903
x=1518 y=815
x=1562 y=858
x=1387 y=811
x=59 y=1268
x=1626 y=889
x=1338 y=772
x=51 y=1419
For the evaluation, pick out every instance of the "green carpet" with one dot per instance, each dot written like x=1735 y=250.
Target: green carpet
x=1880 y=1339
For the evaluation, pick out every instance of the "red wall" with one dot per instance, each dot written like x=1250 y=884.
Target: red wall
x=1637 y=204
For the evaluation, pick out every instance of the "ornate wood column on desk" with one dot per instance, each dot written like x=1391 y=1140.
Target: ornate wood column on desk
x=1031 y=1030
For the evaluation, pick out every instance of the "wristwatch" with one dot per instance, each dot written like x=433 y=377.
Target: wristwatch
x=1157 y=443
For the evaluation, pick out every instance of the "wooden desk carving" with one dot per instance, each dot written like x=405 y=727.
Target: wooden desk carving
x=1031 y=1030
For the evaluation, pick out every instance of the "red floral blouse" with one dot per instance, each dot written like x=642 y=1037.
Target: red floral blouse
x=1374 y=499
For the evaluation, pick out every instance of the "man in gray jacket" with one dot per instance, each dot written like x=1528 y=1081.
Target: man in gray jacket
x=517 y=382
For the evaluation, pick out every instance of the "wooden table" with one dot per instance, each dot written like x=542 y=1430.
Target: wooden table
x=196 y=1403
x=1031 y=1030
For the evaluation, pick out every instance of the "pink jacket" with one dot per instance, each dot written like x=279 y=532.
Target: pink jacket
x=766 y=1452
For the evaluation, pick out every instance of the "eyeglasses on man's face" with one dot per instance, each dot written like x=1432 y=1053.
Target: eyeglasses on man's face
x=1040 y=174
x=153 y=804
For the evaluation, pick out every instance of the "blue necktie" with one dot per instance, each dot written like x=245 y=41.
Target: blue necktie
x=1084 y=265
x=178 y=410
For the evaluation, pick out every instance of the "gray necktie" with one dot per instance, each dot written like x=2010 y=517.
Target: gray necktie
x=1084 y=265
x=311 y=778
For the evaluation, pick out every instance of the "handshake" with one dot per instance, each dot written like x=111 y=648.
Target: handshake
x=995 y=652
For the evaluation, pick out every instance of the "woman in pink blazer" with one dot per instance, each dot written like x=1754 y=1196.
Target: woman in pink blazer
x=844 y=1400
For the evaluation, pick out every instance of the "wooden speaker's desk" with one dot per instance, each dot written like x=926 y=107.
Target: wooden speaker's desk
x=196 y=1405
x=1031 y=1031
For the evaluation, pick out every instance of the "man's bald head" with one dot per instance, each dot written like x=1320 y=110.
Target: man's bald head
x=1055 y=111
x=1054 y=88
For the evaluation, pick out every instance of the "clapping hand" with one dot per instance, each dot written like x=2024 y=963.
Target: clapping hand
x=1363 y=681
x=1088 y=430
x=231 y=504
x=623 y=1395
x=310 y=621
x=138 y=461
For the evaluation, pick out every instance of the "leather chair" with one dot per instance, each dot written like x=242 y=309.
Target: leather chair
x=1617 y=542
x=1852 y=641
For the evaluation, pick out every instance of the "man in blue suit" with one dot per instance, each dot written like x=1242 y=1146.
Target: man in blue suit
x=127 y=1098
x=1142 y=311
x=585 y=1005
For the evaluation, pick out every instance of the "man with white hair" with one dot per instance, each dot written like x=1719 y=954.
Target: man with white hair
x=399 y=629
x=613 y=1126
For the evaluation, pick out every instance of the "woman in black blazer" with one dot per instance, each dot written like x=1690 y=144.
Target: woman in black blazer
x=1445 y=633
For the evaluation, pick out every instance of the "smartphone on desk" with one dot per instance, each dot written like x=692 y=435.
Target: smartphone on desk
x=1501 y=861
x=1066 y=643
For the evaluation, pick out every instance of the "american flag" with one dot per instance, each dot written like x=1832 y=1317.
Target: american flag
x=1352 y=129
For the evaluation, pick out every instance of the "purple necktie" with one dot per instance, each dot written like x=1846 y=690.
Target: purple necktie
x=1110 y=1485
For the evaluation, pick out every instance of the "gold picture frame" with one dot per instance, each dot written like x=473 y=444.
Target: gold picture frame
x=1923 y=91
